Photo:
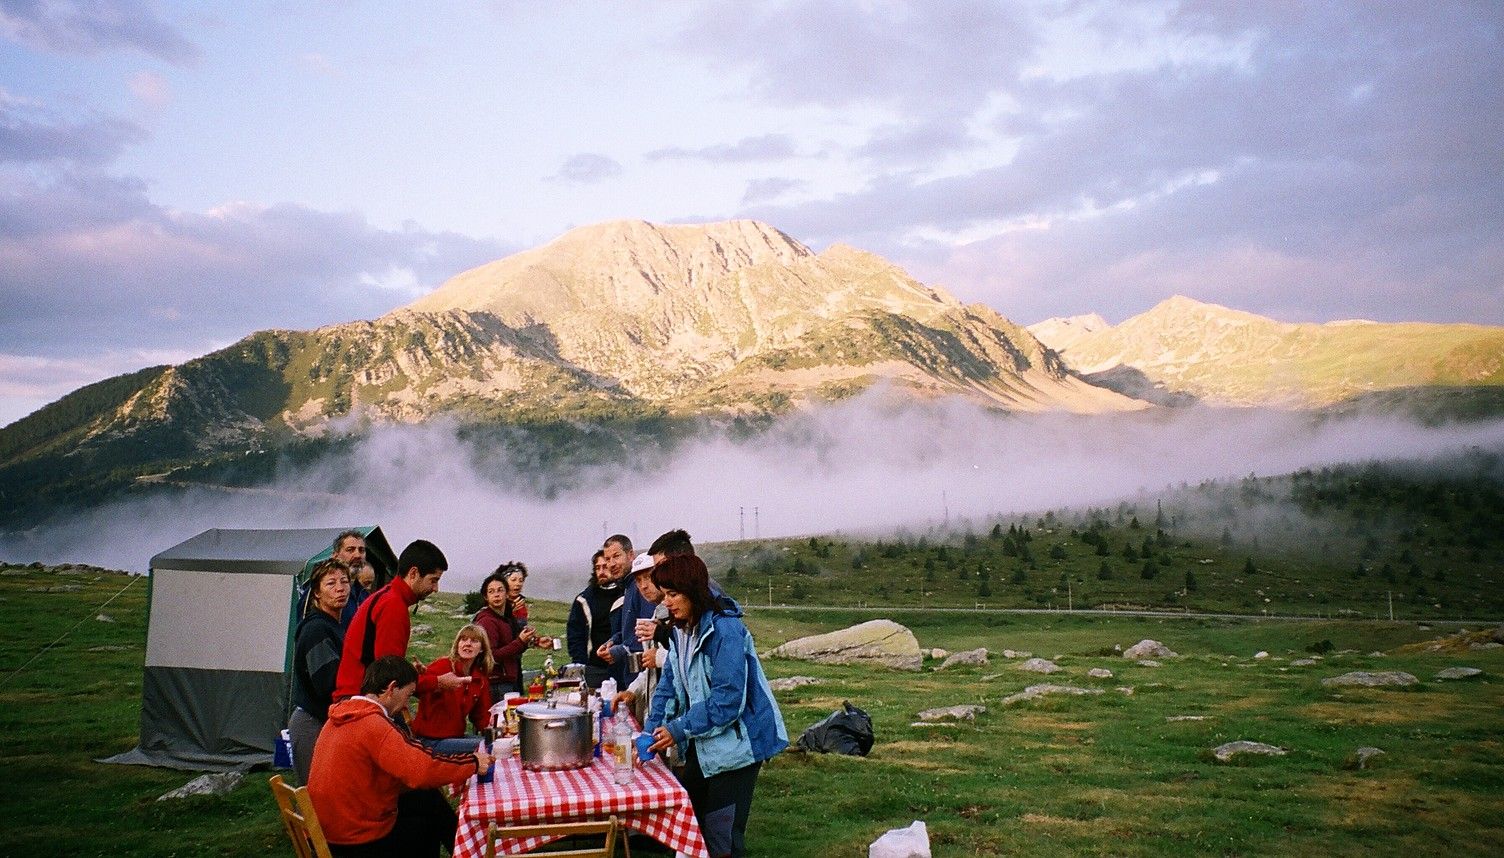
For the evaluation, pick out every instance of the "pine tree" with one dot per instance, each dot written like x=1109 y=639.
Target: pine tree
x=1104 y=572
x=1150 y=569
x=1190 y=581
x=1249 y=568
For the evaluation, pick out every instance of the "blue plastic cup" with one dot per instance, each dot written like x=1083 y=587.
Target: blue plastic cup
x=644 y=741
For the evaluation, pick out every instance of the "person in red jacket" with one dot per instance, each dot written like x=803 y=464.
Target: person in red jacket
x=363 y=762
x=504 y=619
x=442 y=711
x=382 y=625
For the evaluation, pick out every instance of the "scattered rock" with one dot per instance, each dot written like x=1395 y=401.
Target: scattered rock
x=789 y=683
x=1099 y=673
x=110 y=648
x=1458 y=673
x=952 y=713
x=1148 y=649
x=881 y=642
x=425 y=608
x=1371 y=680
x=1303 y=662
x=1013 y=653
x=1039 y=665
x=1034 y=692
x=1359 y=758
x=1375 y=654
x=222 y=783
x=1174 y=718
x=105 y=618
x=421 y=630
x=1261 y=654
x=1125 y=690
x=1225 y=753
x=57 y=588
x=14 y=573
x=970 y=658
x=939 y=654
x=1497 y=634
x=1148 y=662
x=1486 y=645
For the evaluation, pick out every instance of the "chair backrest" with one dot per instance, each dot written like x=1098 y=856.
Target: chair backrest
x=611 y=828
x=299 y=820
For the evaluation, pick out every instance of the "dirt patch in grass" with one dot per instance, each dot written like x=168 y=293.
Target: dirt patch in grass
x=1039 y=722
x=1359 y=801
x=1362 y=713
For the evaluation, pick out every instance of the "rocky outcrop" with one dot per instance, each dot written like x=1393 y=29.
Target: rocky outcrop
x=1038 y=665
x=1225 y=753
x=1034 y=692
x=1365 y=679
x=970 y=658
x=1458 y=673
x=876 y=642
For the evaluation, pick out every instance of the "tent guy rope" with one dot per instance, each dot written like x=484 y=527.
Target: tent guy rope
x=43 y=650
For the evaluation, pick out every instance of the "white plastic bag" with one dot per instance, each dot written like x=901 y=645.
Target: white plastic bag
x=911 y=842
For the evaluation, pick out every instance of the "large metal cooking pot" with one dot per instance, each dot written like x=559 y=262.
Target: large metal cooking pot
x=554 y=737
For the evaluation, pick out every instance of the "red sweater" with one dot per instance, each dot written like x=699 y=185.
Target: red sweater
x=506 y=647
x=387 y=608
x=362 y=762
x=441 y=712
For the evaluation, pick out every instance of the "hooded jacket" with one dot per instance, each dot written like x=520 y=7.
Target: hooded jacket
x=384 y=619
x=362 y=762
x=723 y=701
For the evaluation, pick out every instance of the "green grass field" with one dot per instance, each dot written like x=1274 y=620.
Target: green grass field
x=1099 y=775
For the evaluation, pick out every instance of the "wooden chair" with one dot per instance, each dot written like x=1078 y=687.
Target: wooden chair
x=612 y=828
x=298 y=818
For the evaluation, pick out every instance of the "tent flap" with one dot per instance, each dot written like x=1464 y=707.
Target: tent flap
x=207 y=720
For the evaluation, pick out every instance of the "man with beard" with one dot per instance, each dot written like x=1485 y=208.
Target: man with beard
x=594 y=617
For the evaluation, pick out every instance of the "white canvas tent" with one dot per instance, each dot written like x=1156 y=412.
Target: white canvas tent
x=221 y=616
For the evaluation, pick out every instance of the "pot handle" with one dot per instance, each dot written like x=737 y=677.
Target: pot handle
x=555 y=725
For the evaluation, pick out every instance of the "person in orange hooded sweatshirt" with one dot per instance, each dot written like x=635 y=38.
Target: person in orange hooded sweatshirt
x=364 y=762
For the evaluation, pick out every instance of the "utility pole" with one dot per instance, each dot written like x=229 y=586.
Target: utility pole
x=944 y=509
x=741 y=524
x=756 y=523
x=1070 y=600
x=770 y=591
x=1390 y=594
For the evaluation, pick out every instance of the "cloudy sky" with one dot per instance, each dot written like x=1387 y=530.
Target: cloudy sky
x=174 y=176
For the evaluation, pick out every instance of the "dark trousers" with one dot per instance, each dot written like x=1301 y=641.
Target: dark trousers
x=424 y=822
x=722 y=803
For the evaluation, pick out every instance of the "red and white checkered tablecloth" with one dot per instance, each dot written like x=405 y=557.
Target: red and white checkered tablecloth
x=654 y=804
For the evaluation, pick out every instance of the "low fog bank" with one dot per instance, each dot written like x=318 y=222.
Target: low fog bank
x=861 y=466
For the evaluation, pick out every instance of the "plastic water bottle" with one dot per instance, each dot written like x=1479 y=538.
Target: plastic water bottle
x=622 y=744
x=485 y=745
x=604 y=736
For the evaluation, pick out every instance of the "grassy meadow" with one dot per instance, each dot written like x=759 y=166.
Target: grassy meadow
x=1100 y=775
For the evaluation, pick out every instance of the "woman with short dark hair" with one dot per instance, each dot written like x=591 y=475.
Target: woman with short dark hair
x=713 y=704
x=317 y=644
x=504 y=619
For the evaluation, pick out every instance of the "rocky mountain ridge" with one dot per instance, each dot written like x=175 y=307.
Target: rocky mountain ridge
x=1183 y=350
x=616 y=322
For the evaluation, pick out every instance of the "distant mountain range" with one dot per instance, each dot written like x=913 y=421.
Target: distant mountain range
x=636 y=324
x=1185 y=351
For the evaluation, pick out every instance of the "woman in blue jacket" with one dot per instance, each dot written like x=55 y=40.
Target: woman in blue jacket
x=713 y=704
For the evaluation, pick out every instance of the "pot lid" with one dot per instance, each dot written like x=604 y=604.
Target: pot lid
x=543 y=710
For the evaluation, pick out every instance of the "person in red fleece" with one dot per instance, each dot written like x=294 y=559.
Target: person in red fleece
x=363 y=762
x=440 y=724
x=382 y=625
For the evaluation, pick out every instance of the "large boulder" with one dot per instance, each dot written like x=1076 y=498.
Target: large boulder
x=1458 y=673
x=1039 y=665
x=1148 y=649
x=879 y=642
